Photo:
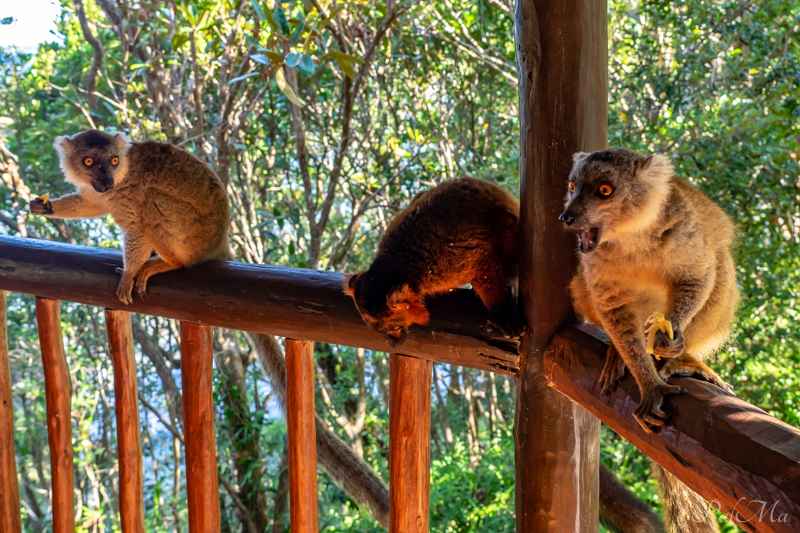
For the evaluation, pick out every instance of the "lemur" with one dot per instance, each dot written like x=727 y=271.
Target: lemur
x=650 y=241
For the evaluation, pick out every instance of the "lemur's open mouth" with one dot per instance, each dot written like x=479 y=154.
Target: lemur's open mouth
x=588 y=240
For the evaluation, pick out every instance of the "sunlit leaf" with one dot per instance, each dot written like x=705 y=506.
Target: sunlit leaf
x=307 y=65
x=272 y=58
x=336 y=54
x=240 y=78
x=280 y=78
x=259 y=11
x=293 y=59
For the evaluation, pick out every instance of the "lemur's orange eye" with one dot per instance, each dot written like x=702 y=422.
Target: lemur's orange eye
x=571 y=186
x=115 y=161
x=605 y=189
x=88 y=161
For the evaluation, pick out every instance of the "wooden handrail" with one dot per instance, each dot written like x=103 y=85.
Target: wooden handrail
x=302 y=436
x=9 y=486
x=745 y=462
x=289 y=302
x=58 y=395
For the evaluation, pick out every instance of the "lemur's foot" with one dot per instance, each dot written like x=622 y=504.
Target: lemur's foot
x=688 y=366
x=125 y=287
x=613 y=371
x=141 y=286
x=665 y=347
x=506 y=319
x=649 y=412
x=39 y=207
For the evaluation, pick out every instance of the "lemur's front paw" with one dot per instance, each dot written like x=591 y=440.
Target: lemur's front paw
x=666 y=347
x=506 y=319
x=125 y=288
x=649 y=412
x=41 y=207
x=613 y=371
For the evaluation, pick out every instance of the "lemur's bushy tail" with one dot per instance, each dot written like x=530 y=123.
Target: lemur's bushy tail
x=621 y=511
x=347 y=470
x=685 y=511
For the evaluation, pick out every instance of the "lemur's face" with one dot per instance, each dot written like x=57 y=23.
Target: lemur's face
x=607 y=193
x=386 y=310
x=93 y=158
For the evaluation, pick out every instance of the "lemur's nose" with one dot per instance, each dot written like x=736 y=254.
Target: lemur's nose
x=566 y=218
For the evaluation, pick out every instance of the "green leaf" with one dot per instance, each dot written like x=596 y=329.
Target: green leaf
x=329 y=18
x=271 y=20
x=258 y=10
x=336 y=54
x=347 y=67
x=280 y=79
x=252 y=40
x=297 y=31
x=293 y=59
x=280 y=18
x=273 y=58
x=307 y=65
x=240 y=78
x=179 y=39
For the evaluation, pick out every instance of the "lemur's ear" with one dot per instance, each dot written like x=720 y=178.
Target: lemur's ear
x=577 y=157
x=63 y=145
x=350 y=285
x=121 y=141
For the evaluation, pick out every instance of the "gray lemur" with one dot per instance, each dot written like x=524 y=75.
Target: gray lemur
x=650 y=241
x=167 y=200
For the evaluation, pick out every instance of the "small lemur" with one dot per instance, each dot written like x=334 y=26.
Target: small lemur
x=167 y=200
x=650 y=241
x=461 y=231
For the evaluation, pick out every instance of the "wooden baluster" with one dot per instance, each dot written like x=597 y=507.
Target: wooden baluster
x=301 y=430
x=409 y=443
x=9 y=486
x=202 y=486
x=58 y=395
x=126 y=403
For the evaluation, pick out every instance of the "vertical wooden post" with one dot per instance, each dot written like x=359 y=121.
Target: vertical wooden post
x=409 y=444
x=126 y=404
x=562 y=69
x=302 y=436
x=9 y=486
x=202 y=486
x=58 y=396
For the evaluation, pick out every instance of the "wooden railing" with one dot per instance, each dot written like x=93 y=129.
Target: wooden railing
x=730 y=452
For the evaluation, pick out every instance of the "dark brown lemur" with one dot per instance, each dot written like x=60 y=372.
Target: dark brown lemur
x=464 y=231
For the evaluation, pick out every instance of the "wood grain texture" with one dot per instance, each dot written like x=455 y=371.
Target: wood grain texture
x=562 y=70
x=9 y=485
x=288 y=302
x=202 y=486
x=58 y=397
x=730 y=452
x=302 y=436
x=409 y=444
x=126 y=404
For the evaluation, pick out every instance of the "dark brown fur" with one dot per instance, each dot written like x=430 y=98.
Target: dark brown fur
x=462 y=231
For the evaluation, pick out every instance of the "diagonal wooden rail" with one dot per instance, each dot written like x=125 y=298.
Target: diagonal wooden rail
x=745 y=462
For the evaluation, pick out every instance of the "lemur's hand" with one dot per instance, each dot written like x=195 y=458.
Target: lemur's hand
x=41 y=206
x=666 y=347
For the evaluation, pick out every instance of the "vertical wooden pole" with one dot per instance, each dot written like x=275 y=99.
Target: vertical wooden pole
x=202 y=486
x=9 y=486
x=409 y=444
x=562 y=67
x=302 y=436
x=126 y=402
x=58 y=396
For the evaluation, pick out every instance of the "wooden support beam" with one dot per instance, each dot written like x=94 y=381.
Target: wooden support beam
x=126 y=404
x=562 y=70
x=288 y=302
x=9 y=485
x=409 y=444
x=58 y=397
x=302 y=434
x=742 y=460
x=202 y=486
